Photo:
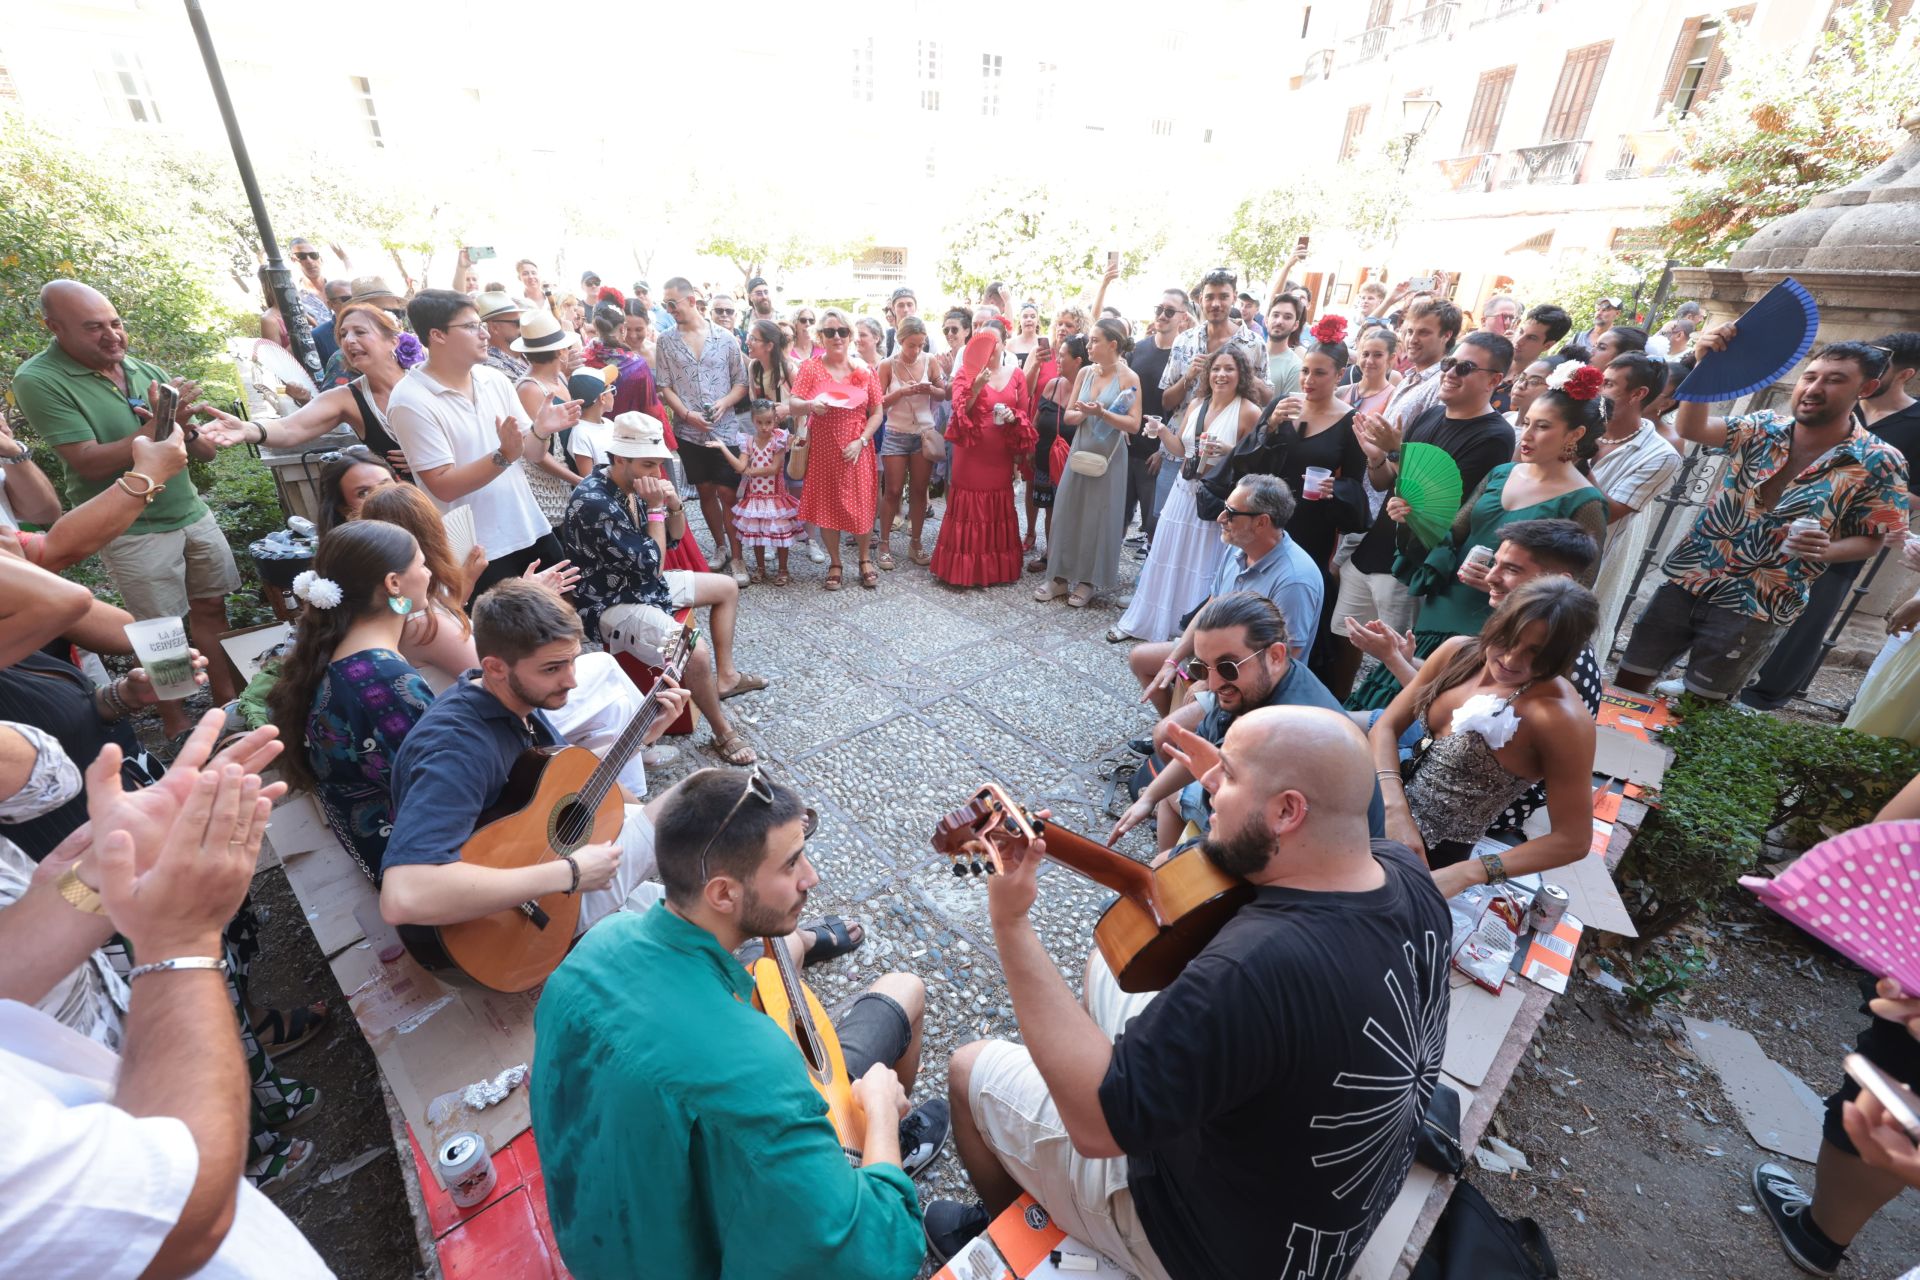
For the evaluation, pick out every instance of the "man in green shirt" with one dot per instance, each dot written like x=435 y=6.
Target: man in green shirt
x=87 y=398
x=679 y=1127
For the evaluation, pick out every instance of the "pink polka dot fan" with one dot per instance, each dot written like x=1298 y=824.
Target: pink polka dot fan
x=1860 y=894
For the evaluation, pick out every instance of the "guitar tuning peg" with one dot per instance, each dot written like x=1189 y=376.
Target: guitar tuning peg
x=960 y=869
x=978 y=869
x=990 y=869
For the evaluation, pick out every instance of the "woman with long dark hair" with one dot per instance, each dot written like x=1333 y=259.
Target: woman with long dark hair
x=911 y=384
x=345 y=698
x=1500 y=715
x=355 y=474
x=1087 y=522
x=1050 y=424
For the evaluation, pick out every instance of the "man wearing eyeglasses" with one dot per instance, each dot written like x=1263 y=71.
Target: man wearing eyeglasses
x=1545 y=325
x=1186 y=364
x=725 y=312
x=697 y=1144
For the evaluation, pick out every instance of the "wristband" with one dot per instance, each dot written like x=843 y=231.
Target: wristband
x=215 y=963
x=656 y=517
x=111 y=692
x=1496 y=869
x=261 y=427
x=573 y=865
x=153 y=490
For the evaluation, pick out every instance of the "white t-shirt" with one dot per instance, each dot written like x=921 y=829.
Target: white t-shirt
x=88 y=1190
x=591 y=438
x=437 y=427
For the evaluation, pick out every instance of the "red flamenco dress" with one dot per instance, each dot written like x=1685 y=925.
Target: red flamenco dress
x=979 y=542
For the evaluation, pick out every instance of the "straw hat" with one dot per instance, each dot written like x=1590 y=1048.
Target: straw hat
x=495 y=305
x=373 y=289
x=540 y=331
x=638 y=435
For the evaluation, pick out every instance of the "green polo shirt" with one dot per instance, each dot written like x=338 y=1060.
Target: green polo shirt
x=679 y=1132
x=68 y=403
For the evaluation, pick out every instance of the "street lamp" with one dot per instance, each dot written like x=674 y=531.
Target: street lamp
x=1417 y=110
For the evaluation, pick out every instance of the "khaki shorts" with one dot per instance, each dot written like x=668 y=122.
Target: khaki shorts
x=1088 y=1198
x=636 y=885
x=159 y=574
x=642 y=629
x=1372 y=597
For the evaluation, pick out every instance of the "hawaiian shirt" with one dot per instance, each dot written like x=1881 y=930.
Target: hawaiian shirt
x=607 y=539
x=719 y=369
x=515 y=367
x=1192 y=343
x=1732 y=557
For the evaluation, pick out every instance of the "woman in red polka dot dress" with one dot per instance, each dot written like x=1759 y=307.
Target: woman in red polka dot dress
x=841 y=404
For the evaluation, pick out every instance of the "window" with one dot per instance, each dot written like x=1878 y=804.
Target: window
x=1306 y=20
x=929 y=99
x=863 y=71
x=1489 y=105
x=363 y=93
x=929 y=74
x=1206 y=137
x=1698 y=61
x=1379 y=13
x=128 y=96
x=1163 y=128
x=930 y=164
x=1046 y=94
x=1356 y=125
x=1573 y=96
x=7 y=90
x=989 y=84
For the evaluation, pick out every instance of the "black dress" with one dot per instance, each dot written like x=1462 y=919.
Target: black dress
x=1049 y=420
x=1314 y=521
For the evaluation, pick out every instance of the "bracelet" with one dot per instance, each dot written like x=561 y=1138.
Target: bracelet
x=261 y=427
x=216 y=963
x=111 y=693
x=573 y=865
x=1171 y=661
x=656 y=517
x=153 y=490
x=1495 y=868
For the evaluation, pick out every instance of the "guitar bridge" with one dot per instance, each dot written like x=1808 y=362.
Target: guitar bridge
x=533 y=912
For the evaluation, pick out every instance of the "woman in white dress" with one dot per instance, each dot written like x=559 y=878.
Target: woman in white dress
x=1187 y=550
x=1632 y=468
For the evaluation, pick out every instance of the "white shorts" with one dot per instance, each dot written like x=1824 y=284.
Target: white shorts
x=1088 y=1198
x=635 y=886
x=1372 y=597
x=642 y=629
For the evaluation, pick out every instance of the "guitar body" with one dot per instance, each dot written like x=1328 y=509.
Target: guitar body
x=817 y=1038
x=1195 y=897
x=508 y=950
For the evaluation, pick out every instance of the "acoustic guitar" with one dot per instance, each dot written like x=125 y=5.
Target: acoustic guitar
x=1164 y=916
x=556 y=800
x=780 y=994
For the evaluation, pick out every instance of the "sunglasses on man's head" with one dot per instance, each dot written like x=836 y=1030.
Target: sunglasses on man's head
x=761 y=789
x=1461 y=368
x=836 y=331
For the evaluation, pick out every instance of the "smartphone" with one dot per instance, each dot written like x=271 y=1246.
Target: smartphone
x=1113 y=259
x=166 y=405
x=1875 y=1082
x=480 y=252
x=1421 y=284
x=1300 y=245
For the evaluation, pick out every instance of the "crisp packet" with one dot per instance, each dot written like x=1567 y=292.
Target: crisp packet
x=1487 y=924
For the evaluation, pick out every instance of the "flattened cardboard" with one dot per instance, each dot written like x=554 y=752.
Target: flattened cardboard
x=1382 y=1254
x=246 y=647
x=1779 y=1116
x=1621 y=755
x=296 y=827
x=1477 y=1024
x=331 y=888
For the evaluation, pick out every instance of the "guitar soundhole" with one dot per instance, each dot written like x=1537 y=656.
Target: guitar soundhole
x=569 y=826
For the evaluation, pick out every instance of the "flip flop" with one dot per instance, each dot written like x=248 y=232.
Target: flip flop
x=832 y=938
x=748 y=684
x=280 y=1034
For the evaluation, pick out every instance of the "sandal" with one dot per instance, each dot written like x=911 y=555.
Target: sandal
x=298 y=1104
x=884 y=560
x=281 y=1033
x=1037 y=565
x=780 y=578
x=868 y=578
x=918 y=556
x=1051 y=589
x=832 y=938
x=1080 y=599
x=1027 y=545
x=735 y=750
x=748 y=684
x=833 y=578
x=283 y=1161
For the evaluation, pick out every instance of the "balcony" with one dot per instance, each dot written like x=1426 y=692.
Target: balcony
x=1319 y=66
x=1550 y=164
x=1494 y=10
x=1430 y=23
x=1469 y=172
x=1646 y=153
x=1365 y=47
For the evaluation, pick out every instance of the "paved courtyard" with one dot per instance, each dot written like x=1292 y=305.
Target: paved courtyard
x=886 y=708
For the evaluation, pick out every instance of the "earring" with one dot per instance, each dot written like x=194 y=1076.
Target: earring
x=1569 y=453
x=402 y=605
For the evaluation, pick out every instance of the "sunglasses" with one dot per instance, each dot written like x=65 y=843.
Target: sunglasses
x=952 y=331
x=1232 y=514
x=803 y=319
x=1166 y=313
x=760 y=788
x=306 y=256
x=1461 y=368
x=836 y=331
x=1227 y=669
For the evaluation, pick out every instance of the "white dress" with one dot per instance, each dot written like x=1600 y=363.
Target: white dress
x=1187 y=550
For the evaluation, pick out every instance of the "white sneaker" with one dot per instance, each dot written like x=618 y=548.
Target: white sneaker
x=1671 y=688
x=660 y=753
x=815 y=552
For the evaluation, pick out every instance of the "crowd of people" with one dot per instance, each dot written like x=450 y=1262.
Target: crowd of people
x=1255 y=458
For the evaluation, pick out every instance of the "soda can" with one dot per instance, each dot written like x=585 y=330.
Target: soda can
x=466 y=1170
x=1548 y=906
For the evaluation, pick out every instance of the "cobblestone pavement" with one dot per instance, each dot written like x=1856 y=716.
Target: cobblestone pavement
x=885 y=709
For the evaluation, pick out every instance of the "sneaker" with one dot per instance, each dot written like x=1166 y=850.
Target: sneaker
x=815 y=552
x=923 y=1134
x=1141 y=746
x=1785 y=1203
x=1670 y=688
x=659 y=754
x=950 y=1224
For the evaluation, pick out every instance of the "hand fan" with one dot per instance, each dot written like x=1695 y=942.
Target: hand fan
x=1772 y=336
x=1430 y=485
x=843 y=395
x=1860 y=894
x=974 y=358
x=278 y=363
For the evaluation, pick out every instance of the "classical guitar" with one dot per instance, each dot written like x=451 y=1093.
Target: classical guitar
x=556 y=800
x=1164 y=916
x=780 y=994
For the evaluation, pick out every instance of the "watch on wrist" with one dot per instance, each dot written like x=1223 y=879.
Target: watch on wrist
x=78 y=895
x=501 y=460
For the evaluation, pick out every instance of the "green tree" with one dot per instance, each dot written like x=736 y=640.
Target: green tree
x=1266 y=226
x=1024 y=233
x=1579 y=282
x=1783 y=128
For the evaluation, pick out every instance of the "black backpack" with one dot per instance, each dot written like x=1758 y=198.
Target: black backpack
x=1473 y=1242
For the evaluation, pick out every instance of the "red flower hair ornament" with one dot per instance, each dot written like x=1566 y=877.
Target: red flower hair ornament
x=1584 y=384
x=1329 y=329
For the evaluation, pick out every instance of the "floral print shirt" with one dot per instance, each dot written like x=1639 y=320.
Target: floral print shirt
x=365 y=705
x=607 y=539
x=1732 y=556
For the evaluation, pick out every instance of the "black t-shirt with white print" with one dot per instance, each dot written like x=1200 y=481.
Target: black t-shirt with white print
x=1268 y=1100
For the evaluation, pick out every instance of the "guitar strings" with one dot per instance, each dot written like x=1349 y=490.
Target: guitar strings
x=587 y=804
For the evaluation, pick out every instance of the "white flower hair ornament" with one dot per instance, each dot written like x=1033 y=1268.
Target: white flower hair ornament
x=1490 y=715
x=1557 y=380
x=321 y=593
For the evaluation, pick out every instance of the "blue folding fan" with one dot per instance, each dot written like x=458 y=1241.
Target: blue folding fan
x=1773 y=335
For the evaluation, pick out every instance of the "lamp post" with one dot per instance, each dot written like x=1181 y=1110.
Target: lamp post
x=1417 y=110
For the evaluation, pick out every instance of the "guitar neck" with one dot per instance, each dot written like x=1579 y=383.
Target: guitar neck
x=1115 y=871
x=630 y=740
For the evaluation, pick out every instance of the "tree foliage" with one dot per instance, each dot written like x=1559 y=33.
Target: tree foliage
x=1783 y=128
x=1024 y=233
x=1578 y=282
x=1362 y=199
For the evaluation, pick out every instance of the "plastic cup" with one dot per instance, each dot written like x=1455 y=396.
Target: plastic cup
x=160 y=646
x=1314 y=483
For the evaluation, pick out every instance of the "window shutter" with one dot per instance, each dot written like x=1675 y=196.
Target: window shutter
x=1489 y=105
x=1689 y=32
x=1717 y=62
x=1356 y=125
x=1573 y=97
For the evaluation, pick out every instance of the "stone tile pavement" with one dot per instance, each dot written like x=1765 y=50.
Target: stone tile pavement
x=885 y=709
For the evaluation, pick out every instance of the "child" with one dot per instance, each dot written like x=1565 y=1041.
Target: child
x=767 y=515
x=594 y=391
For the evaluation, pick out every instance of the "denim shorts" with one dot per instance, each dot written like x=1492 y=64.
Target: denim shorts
x=1723 y=648
x=873 y=1029
x=901 y=440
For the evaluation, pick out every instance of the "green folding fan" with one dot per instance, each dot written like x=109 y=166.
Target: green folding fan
x=1430 y=485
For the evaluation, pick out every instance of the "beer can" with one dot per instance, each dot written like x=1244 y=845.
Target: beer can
x=1548 y=906
x=466 y=1170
